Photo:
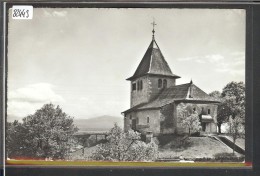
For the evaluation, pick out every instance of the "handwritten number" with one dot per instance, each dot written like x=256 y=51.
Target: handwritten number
x=27 y=11
x=22 y=13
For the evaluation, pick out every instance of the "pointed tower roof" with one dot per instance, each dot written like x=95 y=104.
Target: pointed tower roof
x=153 y=63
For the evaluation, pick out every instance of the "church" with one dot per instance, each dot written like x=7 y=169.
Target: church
x=156 y=100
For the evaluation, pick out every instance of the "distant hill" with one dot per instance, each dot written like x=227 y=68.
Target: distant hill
x=101 y=123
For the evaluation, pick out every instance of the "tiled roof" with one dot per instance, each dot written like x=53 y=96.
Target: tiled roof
x=188 y=92
x=153 y=63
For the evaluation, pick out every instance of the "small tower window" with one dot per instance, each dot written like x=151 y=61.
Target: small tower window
x=208 y=111
x=134 y=86
x=159 y=83
x=148 y=120
x=130 y=117
x=139 y=85
x=164 y=83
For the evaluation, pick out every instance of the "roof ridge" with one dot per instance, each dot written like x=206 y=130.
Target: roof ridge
x=180 y=85
x=150 y=65
x=163 y=56
x=174 y=94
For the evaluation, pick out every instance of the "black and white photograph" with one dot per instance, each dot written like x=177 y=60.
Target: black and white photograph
x=126 y=85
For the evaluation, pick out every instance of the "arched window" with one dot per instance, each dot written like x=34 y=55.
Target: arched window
x=159 y=83
x=208 y=111
x=139 y=85
x=164 y=83
x=148 y=120
x=133 y=86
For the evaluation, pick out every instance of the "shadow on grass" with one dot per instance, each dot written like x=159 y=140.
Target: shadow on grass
x=174 y=142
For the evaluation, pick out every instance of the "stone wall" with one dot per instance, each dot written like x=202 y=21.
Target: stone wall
x=141 y=119
x=164 y=120
x=168 y=123
x=140 y=96
x=127 y=122
x=154 y=90
x=211 y=128
x=150 y=89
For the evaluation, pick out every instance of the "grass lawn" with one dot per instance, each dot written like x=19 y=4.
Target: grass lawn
x=170 y=148
x=196 y=147
x=240 y=141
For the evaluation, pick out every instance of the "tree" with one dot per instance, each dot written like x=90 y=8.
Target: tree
x=232 y=103
x=16 y=144
x=236 y=129
x=216 y=94
x=125 y=146
x=46 y=133
x=224 y=111
x=234 y=93
x=188 y=118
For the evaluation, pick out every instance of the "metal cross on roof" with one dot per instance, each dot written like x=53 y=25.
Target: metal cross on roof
x=153 y=23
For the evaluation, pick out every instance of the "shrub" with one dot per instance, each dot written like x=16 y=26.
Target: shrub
x=227 y=157
x=123 y=146
x=224 y=155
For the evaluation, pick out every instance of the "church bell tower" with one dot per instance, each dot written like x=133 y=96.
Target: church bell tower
x=152 y=75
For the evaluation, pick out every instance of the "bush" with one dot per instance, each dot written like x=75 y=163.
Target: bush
x=123 y=146
x=221 y=158
x=224 y=155
x=156 y=140
x=203 y=159
x=228 y=157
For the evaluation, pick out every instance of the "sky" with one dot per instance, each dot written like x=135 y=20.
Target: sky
x=79 y=58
